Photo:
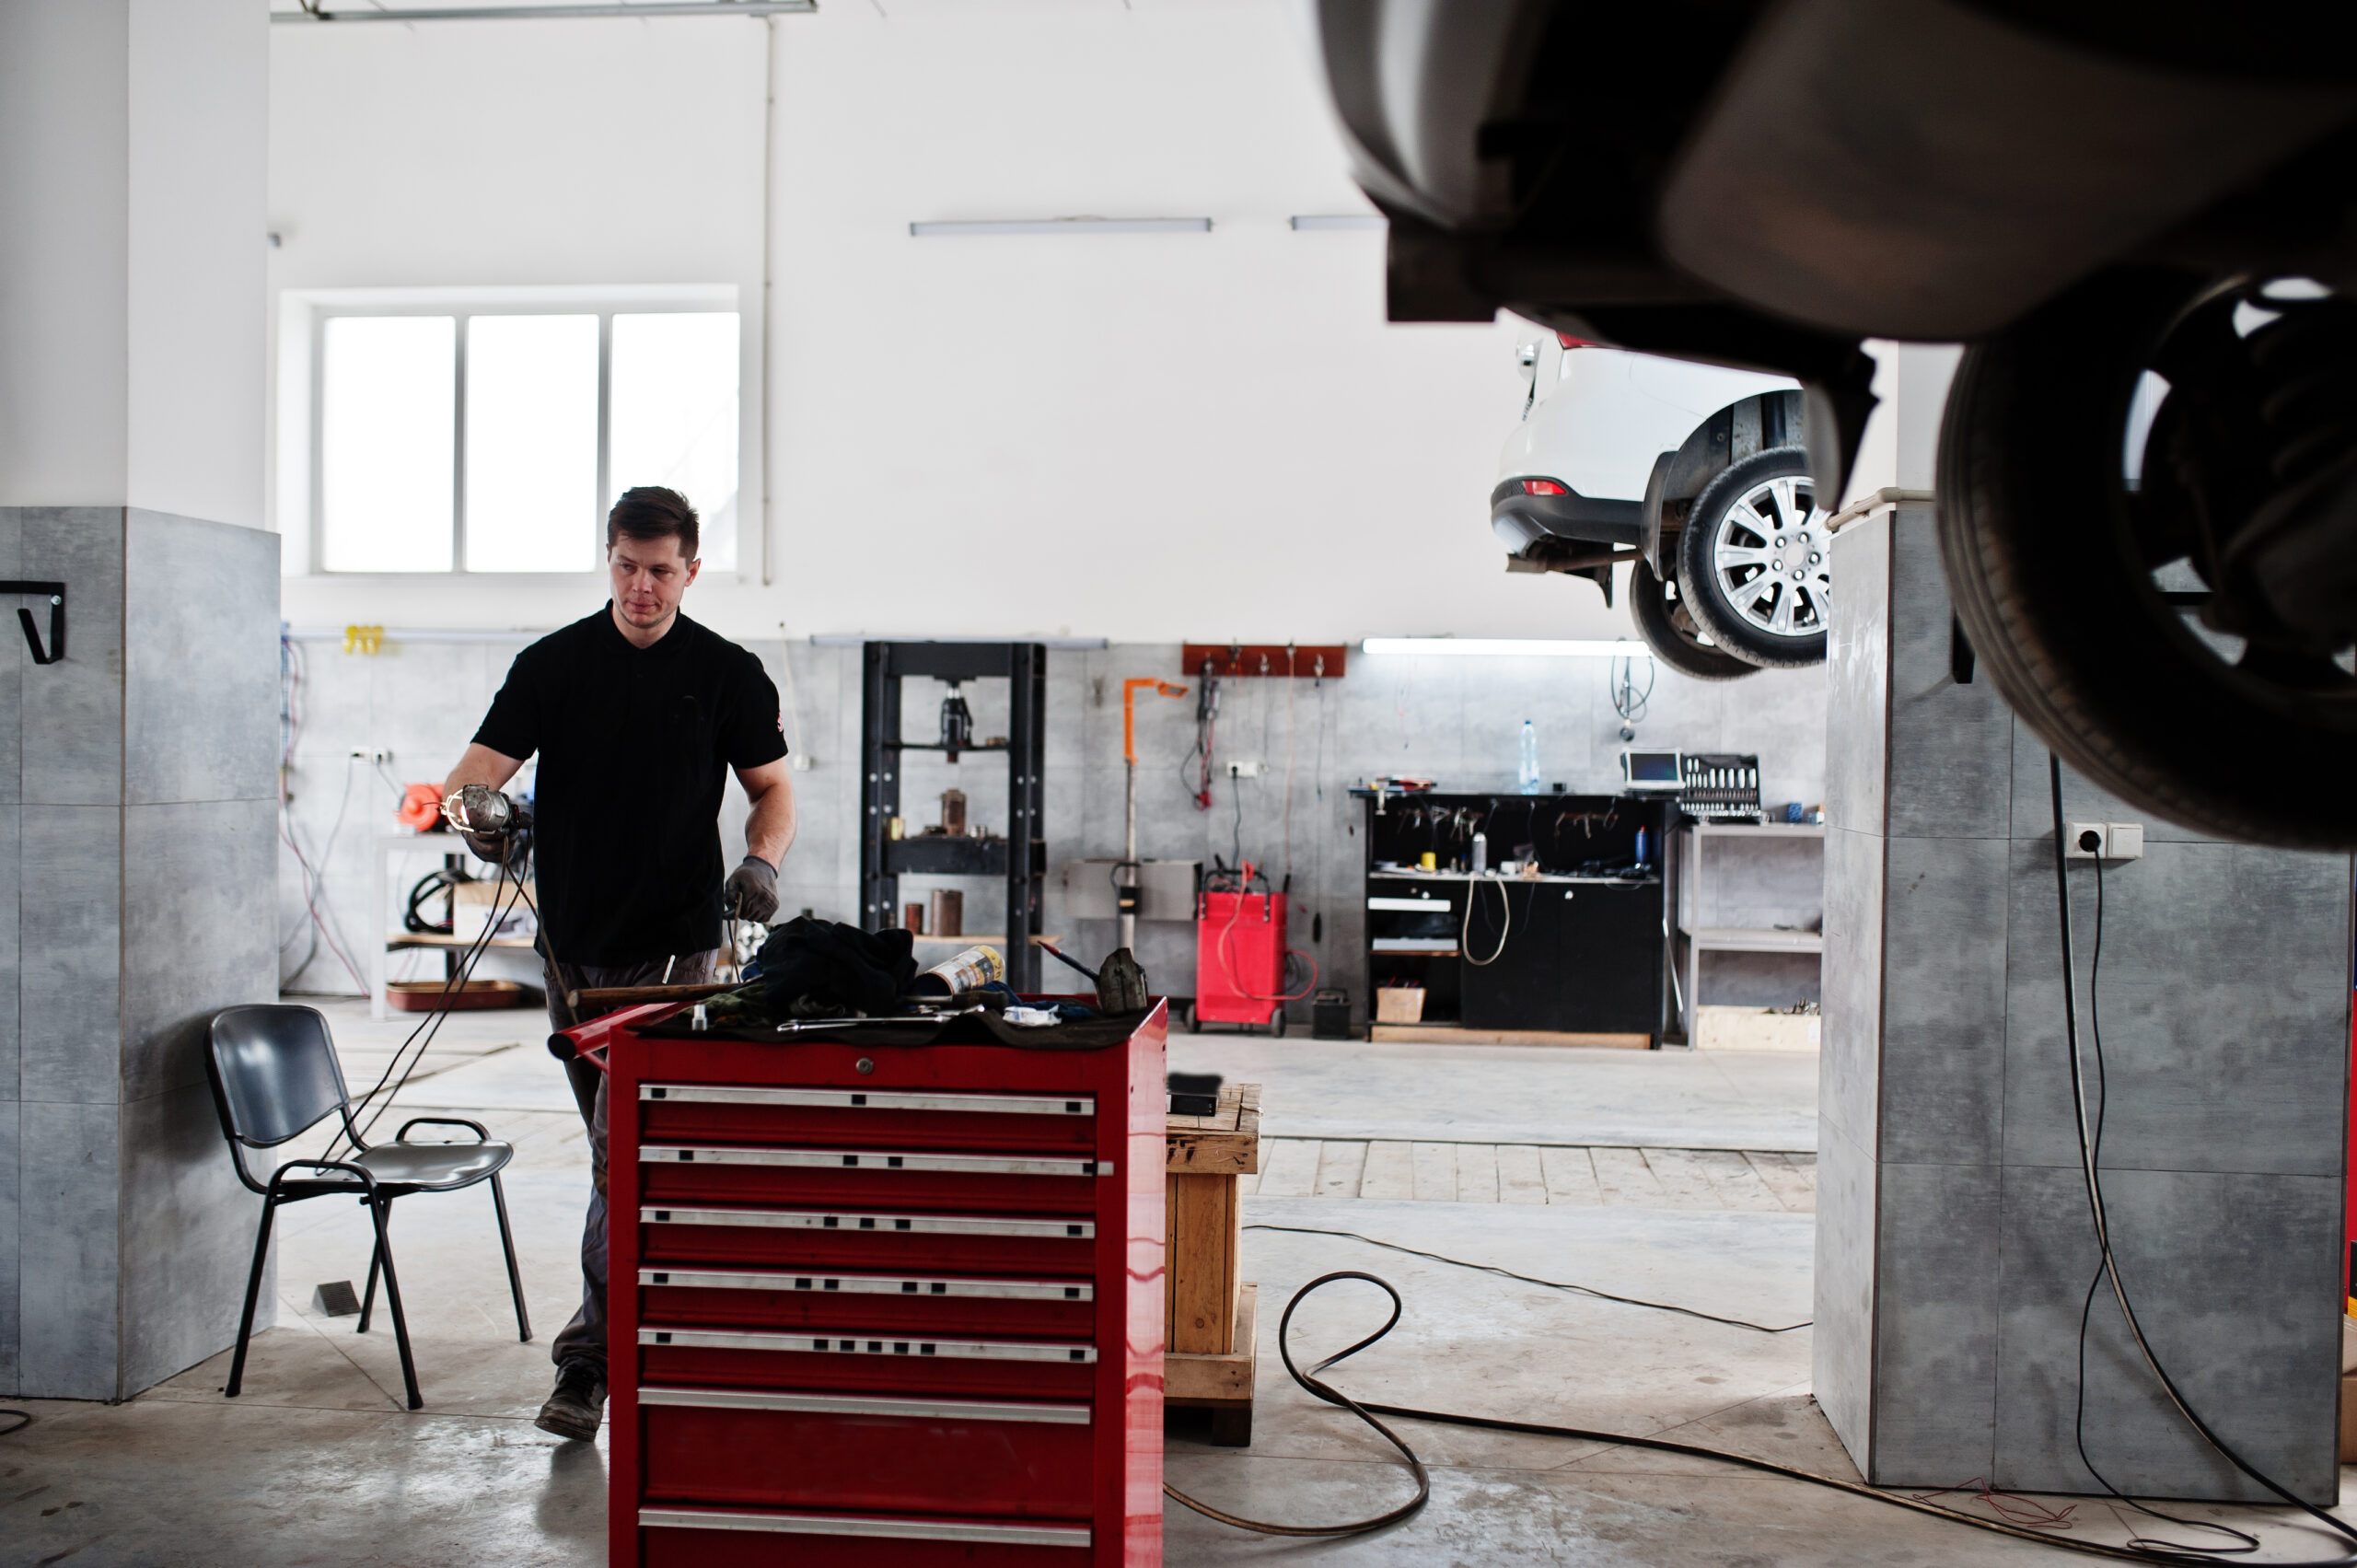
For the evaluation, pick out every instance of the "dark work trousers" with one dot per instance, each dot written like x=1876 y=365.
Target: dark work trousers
x=584 y=1339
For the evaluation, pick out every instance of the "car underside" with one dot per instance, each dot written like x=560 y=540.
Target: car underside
x=2100 y=199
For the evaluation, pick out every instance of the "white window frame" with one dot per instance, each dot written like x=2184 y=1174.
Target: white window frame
x=300 y=427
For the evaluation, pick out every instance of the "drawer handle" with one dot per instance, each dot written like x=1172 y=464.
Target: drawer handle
x=1074 y=1535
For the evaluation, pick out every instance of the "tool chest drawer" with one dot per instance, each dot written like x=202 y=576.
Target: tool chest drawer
x=856 y=1238
x=886 y=1307
x=851 y=1118
x=1004 y=1458
x=929 y=1304
x=922 y=1178
x=852 y=1355
x=715 y=1538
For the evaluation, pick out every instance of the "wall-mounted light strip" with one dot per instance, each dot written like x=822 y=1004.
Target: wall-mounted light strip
x=1506 y=647
x=949 y=227
x=540 y=13
x=854 y=639
x=1340 y=220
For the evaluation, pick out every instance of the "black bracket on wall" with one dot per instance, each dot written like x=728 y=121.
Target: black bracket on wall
x=56 y=595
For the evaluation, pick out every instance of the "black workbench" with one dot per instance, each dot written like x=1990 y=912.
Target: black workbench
x=1578 y=948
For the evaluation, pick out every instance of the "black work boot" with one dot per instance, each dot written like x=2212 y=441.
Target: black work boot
x=579 y=1402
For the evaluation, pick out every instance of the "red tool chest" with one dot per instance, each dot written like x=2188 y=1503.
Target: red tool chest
x=1239 y=957
x=891 y=1305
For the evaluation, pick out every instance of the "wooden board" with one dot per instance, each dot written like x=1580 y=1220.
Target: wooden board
x=1200 y=1285
x=1227 y=1143
x=1226 y=1380
x=1321 y=661
x=1441 y=1034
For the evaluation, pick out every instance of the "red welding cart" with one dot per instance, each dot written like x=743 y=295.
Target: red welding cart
x=884 y=1304
x=1239 y=956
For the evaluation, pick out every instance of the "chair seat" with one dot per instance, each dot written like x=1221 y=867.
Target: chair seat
x=433 y=1166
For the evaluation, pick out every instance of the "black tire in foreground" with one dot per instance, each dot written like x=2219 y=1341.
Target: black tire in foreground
x=2093 y=600
x=1670 y=632
x=1753 y=561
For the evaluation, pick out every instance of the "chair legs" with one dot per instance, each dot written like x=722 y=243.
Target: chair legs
x=368 y=1296
x=507 y=1246
x=253 y=1290
x=379 y=1212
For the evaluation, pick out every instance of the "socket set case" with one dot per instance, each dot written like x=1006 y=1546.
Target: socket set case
x=892 y=1318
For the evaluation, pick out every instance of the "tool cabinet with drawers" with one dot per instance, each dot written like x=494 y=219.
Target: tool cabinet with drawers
x=885 y=1305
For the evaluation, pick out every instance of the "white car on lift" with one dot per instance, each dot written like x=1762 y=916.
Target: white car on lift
x=1693 y=475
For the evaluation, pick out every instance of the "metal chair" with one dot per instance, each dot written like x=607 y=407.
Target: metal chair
x=275 y=1078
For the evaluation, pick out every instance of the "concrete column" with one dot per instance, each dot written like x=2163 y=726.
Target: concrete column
x=136 y=788
x=1954 y=1244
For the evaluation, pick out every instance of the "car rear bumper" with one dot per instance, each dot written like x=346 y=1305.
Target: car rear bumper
x=1521 y=520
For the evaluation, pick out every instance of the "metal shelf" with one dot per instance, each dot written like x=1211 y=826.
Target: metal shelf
x=884 y=861
x=1753 y=939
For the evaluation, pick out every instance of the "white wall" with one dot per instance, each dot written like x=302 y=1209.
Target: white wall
x=131 y=255
x=1901 y=445
x=1140 y=436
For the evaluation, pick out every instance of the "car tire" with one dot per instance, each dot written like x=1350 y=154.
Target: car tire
x=2050 y=561
x=1670 y=632
x=1752 y=561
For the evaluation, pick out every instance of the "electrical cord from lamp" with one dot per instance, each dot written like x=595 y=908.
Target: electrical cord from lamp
x=1368 y=1412
x=379 y=1094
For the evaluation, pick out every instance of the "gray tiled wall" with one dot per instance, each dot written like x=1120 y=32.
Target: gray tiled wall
x=139 y=796
x=1955 y=1248
x=1455 y=719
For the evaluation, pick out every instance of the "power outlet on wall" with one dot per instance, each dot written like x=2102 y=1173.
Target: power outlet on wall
x=2104 y=840
x=372 y=755
x=1246 y=770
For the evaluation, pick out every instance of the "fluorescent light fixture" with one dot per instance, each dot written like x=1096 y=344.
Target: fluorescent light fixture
x=311 y=13
x=1060 y=226
x=1506 y=647
x=1340 y=220
x=856 y=639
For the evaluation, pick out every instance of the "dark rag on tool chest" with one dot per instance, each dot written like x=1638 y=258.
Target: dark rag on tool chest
x=818 y=969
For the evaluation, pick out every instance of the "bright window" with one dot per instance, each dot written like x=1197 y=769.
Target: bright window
x=531 y=443
x=386 y=441
x=675 y=414
x=493 y=441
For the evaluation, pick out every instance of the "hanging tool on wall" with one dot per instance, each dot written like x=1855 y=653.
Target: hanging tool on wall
x=55 y=594
x=1125 y=875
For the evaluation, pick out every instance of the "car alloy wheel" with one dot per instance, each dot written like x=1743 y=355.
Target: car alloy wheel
x=1754 y=562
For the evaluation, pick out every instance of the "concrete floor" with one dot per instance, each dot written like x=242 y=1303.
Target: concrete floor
x=318 y=1463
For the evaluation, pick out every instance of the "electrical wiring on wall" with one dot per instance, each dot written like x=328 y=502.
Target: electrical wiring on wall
x=2089 y=1125
x=311 y=876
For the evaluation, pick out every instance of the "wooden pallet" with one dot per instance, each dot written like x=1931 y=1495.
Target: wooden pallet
x=1209 y=1310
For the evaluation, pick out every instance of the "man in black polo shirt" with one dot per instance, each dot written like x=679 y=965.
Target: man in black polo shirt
x=637 y=713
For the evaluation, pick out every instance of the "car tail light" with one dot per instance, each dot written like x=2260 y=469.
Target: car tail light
x=1542 y=487
x=1570 y=342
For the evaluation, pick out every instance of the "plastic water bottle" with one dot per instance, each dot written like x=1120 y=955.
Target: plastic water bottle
x=1529 y=759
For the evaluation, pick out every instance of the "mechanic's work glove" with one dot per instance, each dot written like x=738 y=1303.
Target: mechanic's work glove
x=490 y=849
x=750 y=891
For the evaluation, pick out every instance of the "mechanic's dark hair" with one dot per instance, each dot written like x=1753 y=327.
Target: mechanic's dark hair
x=650 y=512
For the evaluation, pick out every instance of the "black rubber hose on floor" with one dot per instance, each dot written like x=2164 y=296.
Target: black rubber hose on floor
x=1318 y=1388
